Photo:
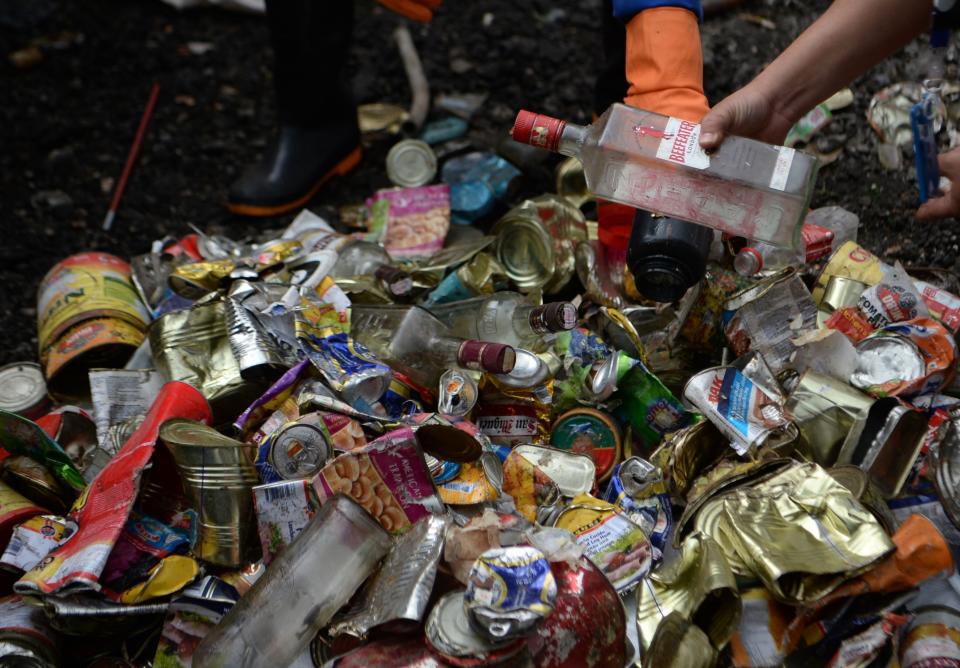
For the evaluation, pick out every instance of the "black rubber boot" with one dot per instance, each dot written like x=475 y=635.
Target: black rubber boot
x=667 y=256
x=294 y=166
x=317 y=117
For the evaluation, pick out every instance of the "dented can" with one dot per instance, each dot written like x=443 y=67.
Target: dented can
x=509 y=591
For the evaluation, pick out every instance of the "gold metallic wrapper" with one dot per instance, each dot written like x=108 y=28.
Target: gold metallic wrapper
x=802 y=533
x=481 y=274
x=192 y=346
x=196 y=279
x=699 y=585
x=679 y=644
x=571 y=184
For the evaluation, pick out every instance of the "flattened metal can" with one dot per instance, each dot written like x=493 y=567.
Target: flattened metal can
x=509 y=591
x=905 y=359
x=574 y=473
x=450 y=635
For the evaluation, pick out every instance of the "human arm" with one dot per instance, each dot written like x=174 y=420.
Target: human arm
x=848 y=39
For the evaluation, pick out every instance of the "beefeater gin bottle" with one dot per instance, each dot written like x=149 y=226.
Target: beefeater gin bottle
x=746 y=188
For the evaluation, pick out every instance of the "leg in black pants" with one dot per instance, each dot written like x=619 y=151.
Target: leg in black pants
x=318 y=135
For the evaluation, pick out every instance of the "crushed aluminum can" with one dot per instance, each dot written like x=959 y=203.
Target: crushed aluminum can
x=738 y=408
x=611 y=540
x=23 y=390
x=33 y=540
x=637 y=487
x=257 y=356
x=458 y=393
x=932 y=639
x=398 y=595
x=906 y=359
x=33 y=480
x=298 y=450
x=451 y=636
x=589 y=432
x=411 y=163
x=510 y=590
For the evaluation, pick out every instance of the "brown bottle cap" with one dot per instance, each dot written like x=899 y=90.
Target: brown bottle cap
x=486 y=356
x=537 y=130
x=554 y=317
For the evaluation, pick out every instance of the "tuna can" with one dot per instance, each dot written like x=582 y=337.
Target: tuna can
x=89 y=314
x=411 y=163
x=589 y=432
x=23 y=390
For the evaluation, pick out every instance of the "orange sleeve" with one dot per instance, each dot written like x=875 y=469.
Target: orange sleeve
x=665 y=63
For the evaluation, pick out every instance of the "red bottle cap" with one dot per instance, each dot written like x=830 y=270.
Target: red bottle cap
x=486 y=356
x=750 y=250
x=537 y=130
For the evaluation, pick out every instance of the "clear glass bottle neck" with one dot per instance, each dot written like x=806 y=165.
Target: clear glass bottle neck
x=572 y=139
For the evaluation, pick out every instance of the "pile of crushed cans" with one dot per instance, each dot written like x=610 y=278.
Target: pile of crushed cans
x=448 y=432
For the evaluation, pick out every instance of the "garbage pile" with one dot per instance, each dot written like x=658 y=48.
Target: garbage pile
x=438 y=434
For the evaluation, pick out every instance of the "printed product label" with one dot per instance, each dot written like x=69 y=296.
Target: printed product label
x=283 y=510
x=781 y=170
x=681 y=145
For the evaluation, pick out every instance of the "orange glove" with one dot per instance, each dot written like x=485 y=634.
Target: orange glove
x=665 y=63
x=418 y=10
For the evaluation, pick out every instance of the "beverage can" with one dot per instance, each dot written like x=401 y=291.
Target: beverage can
x=411 y=163
x=298 y=451
x=509 y=591
x=932 y=639
x=637 y=487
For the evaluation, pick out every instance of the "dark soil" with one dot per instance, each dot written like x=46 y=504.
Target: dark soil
x=66 y=124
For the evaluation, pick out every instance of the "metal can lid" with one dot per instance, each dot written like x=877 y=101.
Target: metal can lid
x=588 y=431
x=450 y=635
x=21 y=387
x=525 y=250
x=411 y=163
x=299 y=451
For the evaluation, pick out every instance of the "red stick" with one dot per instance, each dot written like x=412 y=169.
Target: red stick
x=132 y=156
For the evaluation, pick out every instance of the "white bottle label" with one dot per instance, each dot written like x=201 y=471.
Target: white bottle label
x=681 y=144
x=781 y=170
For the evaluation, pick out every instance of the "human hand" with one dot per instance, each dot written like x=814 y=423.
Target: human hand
x=948 y=204
x=418 y=10
x=748 y=113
